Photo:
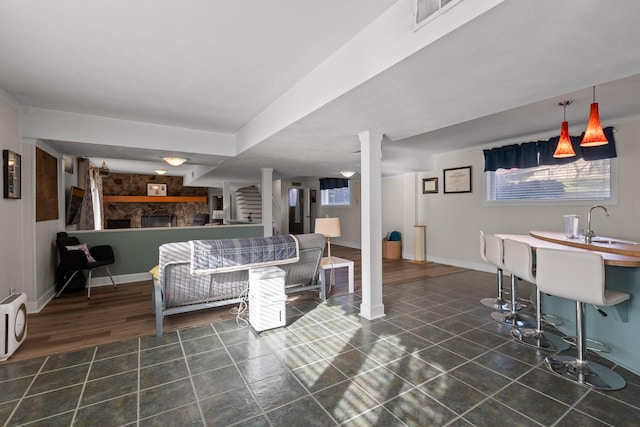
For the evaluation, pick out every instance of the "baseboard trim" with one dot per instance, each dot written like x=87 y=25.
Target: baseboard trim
x=123 y=278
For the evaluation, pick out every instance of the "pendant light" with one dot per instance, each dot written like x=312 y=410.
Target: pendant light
x=564 y=147
x=594 y=135
x=104 y=169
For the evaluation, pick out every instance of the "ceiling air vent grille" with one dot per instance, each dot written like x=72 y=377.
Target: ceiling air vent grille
x=430 y=8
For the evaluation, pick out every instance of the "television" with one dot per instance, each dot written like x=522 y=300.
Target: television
x=156 y=221
x=74 y=205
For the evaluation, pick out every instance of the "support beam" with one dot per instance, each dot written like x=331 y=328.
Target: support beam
x=267 y=204
x=226 y=199
x=371 y=217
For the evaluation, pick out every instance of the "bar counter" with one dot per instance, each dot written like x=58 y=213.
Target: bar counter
x=620 y=330
x=599 y=243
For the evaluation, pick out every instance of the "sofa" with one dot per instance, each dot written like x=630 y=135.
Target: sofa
x=177 y=288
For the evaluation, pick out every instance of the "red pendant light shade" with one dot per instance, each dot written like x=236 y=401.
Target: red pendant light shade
x=564 y=147
x=594 y=135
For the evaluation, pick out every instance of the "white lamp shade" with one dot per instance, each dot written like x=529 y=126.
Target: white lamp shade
x=330 y=227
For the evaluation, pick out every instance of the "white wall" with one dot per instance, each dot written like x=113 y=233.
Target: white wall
x=27 y=254
x=454 y=220
x=399 y=210
x=350 y=228
x=11 y=243
x=392 y=217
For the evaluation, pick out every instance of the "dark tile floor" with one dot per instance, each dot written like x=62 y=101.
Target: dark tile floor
x=437 y=358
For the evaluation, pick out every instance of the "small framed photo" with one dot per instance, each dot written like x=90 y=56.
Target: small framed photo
x=68 y=164
x=156 y=189
x=429 y=185
x=11 y=167
x=457 y=180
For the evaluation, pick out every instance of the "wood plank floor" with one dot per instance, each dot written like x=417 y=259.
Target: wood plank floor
x=73 y=322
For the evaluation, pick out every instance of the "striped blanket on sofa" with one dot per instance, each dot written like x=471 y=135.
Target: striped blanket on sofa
x=225 y=255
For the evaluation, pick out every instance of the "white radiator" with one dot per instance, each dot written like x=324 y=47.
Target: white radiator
x=13 y=324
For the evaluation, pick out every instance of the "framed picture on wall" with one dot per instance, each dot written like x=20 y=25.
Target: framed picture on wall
x=429 y=185
x=156 y=189
x=11 y=169
x=457 y=180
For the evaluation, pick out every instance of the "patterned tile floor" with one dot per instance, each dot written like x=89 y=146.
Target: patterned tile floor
x=437 y=358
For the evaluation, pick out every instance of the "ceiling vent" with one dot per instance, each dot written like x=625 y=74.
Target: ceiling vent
x=426 y=10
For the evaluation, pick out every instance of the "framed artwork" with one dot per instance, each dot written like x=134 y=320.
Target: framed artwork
x=12 y=183
x=313 y=196
x=429 y=185
x=457 y=180
x=68 y=164
x=156 y=189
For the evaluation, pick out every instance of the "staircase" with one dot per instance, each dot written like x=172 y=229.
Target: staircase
x=248 y=201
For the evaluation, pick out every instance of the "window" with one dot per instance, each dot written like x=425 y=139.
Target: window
x=336 y=196
x=579 y=180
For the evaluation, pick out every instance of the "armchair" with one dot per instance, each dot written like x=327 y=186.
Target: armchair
x=75 y=257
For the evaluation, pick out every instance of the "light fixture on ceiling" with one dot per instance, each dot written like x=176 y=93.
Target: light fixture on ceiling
x=161 y=171
x=174 y=161
x=104 y=169
x=347 y=174
x=594 y=135
x=564 y=147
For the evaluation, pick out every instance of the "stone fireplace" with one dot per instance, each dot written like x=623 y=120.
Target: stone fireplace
x=126 y=199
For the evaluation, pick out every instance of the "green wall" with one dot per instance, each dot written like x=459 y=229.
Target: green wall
x=136 y=249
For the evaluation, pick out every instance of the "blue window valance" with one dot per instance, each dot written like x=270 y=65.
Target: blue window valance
x=532 y=154
x=331 y=183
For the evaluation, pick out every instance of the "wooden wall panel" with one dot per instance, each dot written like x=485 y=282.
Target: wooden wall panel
x=46 y=186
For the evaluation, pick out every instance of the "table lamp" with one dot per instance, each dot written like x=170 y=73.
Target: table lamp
x=330 y=227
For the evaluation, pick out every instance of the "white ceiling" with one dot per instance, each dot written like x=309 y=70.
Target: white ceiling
x=219 y=66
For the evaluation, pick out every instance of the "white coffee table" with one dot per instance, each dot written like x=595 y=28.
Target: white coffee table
x=335 y=262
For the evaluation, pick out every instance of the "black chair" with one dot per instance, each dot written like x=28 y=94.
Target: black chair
x=75 y=257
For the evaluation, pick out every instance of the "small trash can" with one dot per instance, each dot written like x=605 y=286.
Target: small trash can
x=391 y=249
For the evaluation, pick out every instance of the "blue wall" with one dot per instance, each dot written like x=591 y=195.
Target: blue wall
x=136 y=249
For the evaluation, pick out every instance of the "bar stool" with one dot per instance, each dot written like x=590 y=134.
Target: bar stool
x=491 y=252
x=518 y=259
x=513 y=318
x=579 y=276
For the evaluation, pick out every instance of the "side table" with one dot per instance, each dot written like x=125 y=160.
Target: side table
x=335 y=262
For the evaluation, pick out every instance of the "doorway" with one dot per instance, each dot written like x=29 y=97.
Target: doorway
x=299 y=210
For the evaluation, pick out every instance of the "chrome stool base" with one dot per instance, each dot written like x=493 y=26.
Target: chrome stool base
x=589 y=374
x=540 y=339
x=500 y=305
x=496 y=304
x=514 y=319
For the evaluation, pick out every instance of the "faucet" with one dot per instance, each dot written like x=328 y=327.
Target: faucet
x=590 y=234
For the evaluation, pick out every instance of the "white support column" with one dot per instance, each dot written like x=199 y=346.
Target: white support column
x=371 y=218
x=226 y=200
x=267 y=204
